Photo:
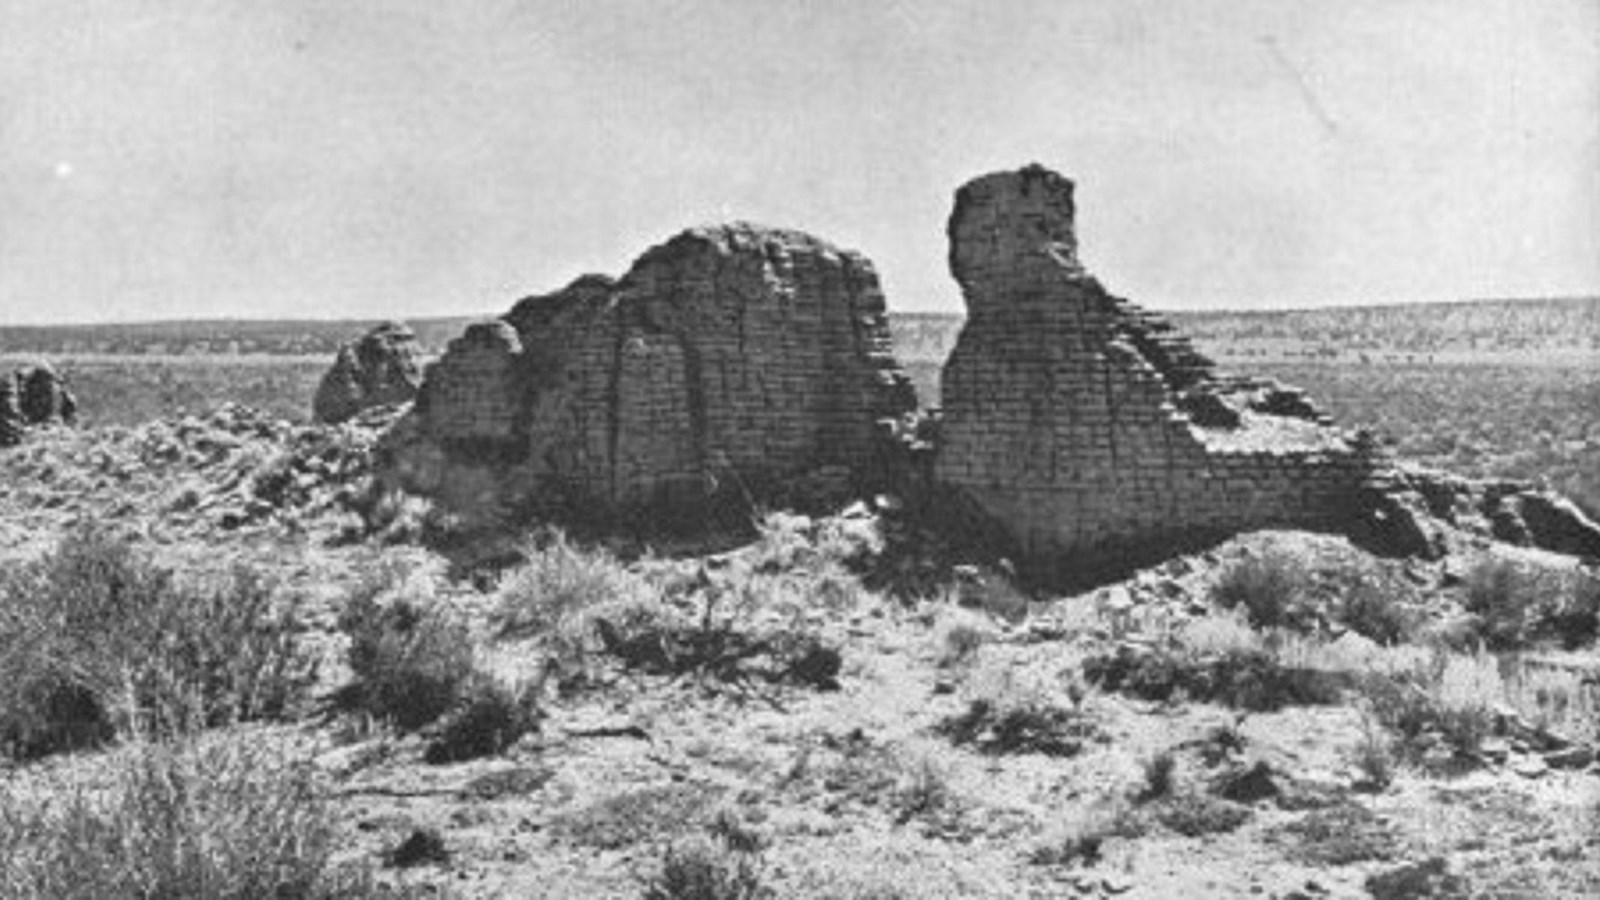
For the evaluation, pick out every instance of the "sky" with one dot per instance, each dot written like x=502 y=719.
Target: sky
x=361 y=159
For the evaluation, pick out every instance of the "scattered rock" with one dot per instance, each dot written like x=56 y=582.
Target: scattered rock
x=1249 y=785
x=1529 y=766
x=1578 y=756
x=424 y=846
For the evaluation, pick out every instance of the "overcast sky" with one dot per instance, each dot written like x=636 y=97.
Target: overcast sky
x=293 y=158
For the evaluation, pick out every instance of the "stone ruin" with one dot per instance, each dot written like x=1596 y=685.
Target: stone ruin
x=381 y=369
x=1079 y=431
x=30 y=397
x=1084 y=426
x=733 y=363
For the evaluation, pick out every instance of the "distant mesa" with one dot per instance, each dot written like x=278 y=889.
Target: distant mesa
x=730 y=365
x=33 y=396
x=380 y=369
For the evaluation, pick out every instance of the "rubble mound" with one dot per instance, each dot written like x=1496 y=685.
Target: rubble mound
x=1086 y=426
x=729 y=363
x=380 y=369
x=33 y=396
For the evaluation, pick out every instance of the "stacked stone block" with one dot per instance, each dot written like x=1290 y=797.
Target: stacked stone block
x=380 y=369
x=1067 y=411
x=726 y=360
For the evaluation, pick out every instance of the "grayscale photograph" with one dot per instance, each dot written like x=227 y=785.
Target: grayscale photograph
x=799 y=449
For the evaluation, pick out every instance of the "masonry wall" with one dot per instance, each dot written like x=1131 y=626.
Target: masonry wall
x=1068 y=411
x=725 y=359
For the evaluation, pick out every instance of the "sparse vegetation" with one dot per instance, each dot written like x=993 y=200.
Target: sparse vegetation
x=1270 y=589
x=1518 y=605
x=97 y=641
x=707 y=870
x=1007 y=717
x=237 y=818
x=412 y=658
x=490 y=718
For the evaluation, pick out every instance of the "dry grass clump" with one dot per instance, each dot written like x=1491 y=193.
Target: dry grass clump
x=551 y=593
x=96 y=640
x=1080 y=839
x=240 y=818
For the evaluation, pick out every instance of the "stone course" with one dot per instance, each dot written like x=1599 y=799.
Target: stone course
x=727 y=361
x=1086 y=426
x=380 y=369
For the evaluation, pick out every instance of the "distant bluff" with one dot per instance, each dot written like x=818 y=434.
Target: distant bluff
x=731 y=364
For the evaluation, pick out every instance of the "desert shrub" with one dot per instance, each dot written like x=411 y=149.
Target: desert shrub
x=922 y=790
x=1271 y=588
x=1374 y=757
x=1158 y=776
x=1339 y=835
x=1243 y=677
x=1518 y=605
x=1445 y=703
x=961 y=643
x=95 y=639
x=491 y=718
x=1079 y=839
x=752 y=627
x=668 y=812
x=233 y=819
x=1193 y=814
x=707 y=870
x=1503 y=596
x=1007 y=717
x=1372 y=606
x=411 y=658
x=559 y=582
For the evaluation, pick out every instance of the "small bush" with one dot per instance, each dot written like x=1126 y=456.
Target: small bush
x=235 y=819
x=411 y=659
x=1374 y=757
x=558 y=583
x=1010 y=718
x=705 y=870
x=1246 y=678
x=1158 y=776
x=1080 y=840
x=922 y=791
x=961 y=642
x=1270 y=588
x=1445 y=703
x=1196 y=814
x=1373 y=608
x=1504 y=597
x=492 y=719
x=97 y=640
